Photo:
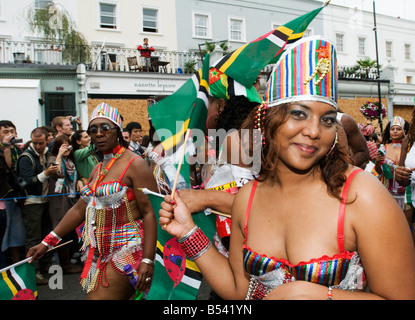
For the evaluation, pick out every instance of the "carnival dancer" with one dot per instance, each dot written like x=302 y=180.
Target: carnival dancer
x=120 y=225
x=387 y=159
x=292 y=237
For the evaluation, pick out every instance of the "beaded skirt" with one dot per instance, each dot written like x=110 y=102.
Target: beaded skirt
x=108 y=239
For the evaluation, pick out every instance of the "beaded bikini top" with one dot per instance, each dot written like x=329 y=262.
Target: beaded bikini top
x=342 y=270
x=110 y=232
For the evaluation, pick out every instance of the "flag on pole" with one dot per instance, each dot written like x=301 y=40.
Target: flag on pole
x=175 y=277
x=222 y=86
x=245 y=63
x=18 y=282
x=184 y=109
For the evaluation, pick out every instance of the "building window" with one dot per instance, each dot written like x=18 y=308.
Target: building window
x=108 y=16
x=407 y=51
x=340 y=42
x=362 y=46
x=409 y=79
x=236 y=29
x=151 y=20
x=388 y=46
x=201 y=25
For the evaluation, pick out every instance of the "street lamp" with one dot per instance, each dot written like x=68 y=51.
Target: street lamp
x=377 y=66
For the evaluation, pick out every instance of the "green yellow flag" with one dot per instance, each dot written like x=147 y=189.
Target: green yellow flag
x=18 y=282
x=184 y=109
x=175 y=277
x=245 y=63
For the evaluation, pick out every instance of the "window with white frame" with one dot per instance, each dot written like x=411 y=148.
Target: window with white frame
x=108 y=15
x=201 y=25
x=388 y=47
x=236 y=29
x=409 y=79
x=151 y=20
x=340 y=42
x=407 y=51
x=362 y=46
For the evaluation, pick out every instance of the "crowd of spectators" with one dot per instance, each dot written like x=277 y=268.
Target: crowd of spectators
x=43 y=177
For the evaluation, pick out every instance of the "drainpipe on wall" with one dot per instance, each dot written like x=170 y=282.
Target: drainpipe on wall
x=83 y=103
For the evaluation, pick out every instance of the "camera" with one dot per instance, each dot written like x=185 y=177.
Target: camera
x=13 y=141
x=70 y=147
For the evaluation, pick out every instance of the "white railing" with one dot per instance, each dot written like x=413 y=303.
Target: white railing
x=95 y=57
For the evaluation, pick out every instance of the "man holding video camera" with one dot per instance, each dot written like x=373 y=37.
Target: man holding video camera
x=14 y=234
x=31 y=167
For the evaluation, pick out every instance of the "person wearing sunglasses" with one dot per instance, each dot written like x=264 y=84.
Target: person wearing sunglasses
x=115 y=213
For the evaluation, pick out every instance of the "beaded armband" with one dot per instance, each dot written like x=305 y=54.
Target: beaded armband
x=51 y=240
x=195 y=243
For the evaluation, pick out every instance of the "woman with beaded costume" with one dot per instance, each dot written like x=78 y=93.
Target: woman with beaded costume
x=387 y=162
x=115 y=213
x=305 y=229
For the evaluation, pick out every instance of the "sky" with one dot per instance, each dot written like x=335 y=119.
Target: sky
x=395 y=8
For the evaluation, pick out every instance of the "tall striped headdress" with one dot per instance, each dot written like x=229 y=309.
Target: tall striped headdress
x=306 y=71
x=104 y=110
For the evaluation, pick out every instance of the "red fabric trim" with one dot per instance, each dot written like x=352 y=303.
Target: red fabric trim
x=248 y=209
x=342 y=210
x=88 y=263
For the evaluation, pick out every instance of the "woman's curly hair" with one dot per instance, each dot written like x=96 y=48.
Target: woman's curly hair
x=233 y=115
x=333 y=167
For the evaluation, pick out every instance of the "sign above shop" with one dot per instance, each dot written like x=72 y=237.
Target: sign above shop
x=134 y=85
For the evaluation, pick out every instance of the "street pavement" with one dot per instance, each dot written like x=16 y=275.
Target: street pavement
x=70 y=289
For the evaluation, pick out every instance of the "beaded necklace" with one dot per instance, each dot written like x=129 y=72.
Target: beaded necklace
x=102 y=173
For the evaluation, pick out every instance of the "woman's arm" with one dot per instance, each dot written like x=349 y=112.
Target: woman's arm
x=72 y=219
x=199 y=200
x=384 y=240
x=225 y=276
x=403 y=174
x=141 y=176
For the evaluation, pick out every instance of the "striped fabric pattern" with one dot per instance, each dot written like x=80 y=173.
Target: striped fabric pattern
x=104 y=110
x=290 y=81
x=326 y=271
x=106 y=189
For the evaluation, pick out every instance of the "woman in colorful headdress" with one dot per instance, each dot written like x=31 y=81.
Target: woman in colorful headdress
x=292 y=237
x=387 y=159
x=223 y=170
x=120 y=225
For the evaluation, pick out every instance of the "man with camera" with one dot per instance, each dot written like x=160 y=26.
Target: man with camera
x=31 y=167
x=14 y=229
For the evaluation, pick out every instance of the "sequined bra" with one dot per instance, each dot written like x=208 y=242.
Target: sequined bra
x=109 y=188
x=342 y=270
